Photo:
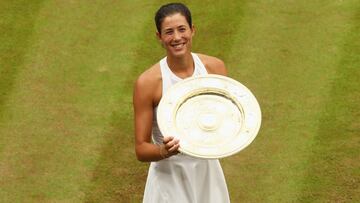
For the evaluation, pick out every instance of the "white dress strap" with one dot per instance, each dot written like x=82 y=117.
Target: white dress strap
x=200 y=68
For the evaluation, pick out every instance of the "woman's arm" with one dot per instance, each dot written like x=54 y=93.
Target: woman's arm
x=143 y=98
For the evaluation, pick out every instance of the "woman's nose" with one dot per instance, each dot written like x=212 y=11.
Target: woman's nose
x=177 y=35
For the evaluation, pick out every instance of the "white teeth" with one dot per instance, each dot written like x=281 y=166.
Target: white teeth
x=177 y=46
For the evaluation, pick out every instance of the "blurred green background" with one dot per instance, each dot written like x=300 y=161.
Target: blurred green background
x=67 y=70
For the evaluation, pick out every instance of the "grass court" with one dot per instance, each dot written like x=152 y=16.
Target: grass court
x=67 y=70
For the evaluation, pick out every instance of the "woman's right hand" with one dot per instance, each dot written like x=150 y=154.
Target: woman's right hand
x=169 y=147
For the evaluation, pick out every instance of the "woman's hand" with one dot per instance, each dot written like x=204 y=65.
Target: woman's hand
x=169 y=147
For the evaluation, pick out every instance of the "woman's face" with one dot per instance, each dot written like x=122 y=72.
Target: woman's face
x=176 y=35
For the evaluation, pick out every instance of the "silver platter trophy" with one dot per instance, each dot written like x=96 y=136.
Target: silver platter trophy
x=213 y=116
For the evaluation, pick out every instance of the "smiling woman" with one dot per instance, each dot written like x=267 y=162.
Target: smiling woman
x=176 y=35
x=172 y=176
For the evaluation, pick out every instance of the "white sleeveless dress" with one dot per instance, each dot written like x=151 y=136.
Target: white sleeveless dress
x=181 y=178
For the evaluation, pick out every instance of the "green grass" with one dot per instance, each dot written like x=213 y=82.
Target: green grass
x=66 y=74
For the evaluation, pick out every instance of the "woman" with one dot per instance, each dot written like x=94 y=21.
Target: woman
x=174 y=177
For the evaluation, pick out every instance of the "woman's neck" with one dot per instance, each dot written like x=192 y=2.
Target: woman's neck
x=181 y=66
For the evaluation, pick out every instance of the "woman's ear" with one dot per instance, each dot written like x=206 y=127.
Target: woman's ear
x=158 y=35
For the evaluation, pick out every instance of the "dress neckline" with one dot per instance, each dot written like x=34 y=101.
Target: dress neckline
x=174 y=76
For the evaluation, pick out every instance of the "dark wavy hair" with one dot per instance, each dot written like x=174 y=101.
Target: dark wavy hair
x=170 y=9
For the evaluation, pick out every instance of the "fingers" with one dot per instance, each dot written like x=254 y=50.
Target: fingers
x=169 y=142
x=170 y=147
x=167 y=139
x=174 y=148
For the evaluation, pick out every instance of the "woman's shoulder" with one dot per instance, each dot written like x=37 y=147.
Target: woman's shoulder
x=147 y=87
x=151 y=74
x=213 y=64
x=150 y=79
